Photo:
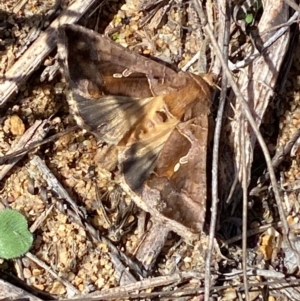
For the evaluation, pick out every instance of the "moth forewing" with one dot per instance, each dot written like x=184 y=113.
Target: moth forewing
x=156 y=120
x=89 y=55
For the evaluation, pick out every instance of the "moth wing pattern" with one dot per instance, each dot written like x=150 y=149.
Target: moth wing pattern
x=155 y=117
x=176 y=189
x=109 y=118
x=95 y=62
x=98 y=95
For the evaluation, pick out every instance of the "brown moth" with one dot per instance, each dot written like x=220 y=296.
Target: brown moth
x=154 y=119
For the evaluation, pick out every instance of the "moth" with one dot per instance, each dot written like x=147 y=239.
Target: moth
x=152 y=118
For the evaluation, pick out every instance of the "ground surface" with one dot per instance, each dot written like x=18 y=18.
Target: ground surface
x=75 y=261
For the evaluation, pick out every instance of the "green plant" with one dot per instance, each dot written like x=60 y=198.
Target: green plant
x=250 y=15
x=15 y=239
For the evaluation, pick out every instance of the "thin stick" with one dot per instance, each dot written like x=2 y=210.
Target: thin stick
x=125 y=291
x=216 y=145
x=54 y=183
x=34 y=134
x=72 y=290
x=251 y=120
x=40 y=219
x=252 y=232
x=245 y=206
x=14 y=154
x=293 y=5
x=247 y=60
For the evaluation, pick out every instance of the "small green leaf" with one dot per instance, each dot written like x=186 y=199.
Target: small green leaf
x=15 y=239
x=249 y=18
x=115 y=36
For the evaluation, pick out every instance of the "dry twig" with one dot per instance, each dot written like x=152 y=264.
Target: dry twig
x=35 y=54
x=72 y=291
x=278 y=56
x=54 y=183
x=128 y=290
x=34 y=134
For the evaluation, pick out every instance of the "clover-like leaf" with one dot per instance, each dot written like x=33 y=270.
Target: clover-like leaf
x=15 y=239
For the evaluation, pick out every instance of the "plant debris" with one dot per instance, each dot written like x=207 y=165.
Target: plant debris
x=88 y=235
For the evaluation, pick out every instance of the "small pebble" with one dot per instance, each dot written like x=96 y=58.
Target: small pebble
x=17 y=126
